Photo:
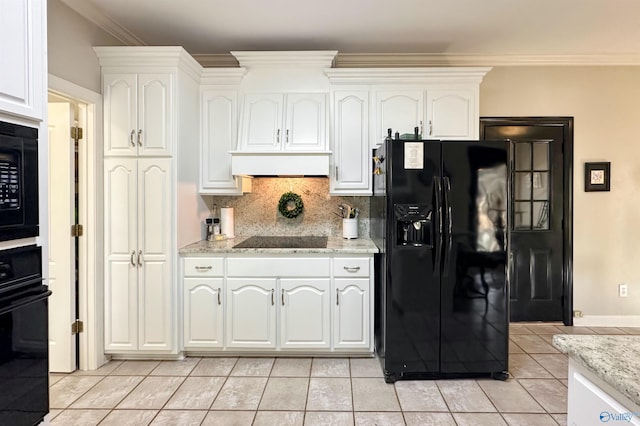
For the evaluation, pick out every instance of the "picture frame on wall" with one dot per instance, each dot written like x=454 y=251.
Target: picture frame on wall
x=597 y=176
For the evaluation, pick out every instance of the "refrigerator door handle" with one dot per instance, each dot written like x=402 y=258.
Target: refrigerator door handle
x=437 y=189
x=447 y=207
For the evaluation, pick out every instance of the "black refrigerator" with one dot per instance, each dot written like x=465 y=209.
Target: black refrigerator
x=439 y=218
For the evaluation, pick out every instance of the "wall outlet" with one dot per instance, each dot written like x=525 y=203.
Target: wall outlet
x=577 y=314
x=622 y=290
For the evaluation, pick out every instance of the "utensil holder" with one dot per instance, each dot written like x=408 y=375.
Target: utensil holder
x=350 y=228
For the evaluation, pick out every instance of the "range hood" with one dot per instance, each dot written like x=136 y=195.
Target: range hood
x=280 y=163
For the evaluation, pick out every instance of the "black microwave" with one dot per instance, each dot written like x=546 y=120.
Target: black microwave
x=18 y=181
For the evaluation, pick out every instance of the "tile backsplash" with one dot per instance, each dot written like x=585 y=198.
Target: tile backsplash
x=256 y=213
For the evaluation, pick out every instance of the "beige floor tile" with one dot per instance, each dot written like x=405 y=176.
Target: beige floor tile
x=373 y=395
x=547 y=338
x=103 y=370
x=55 y=378
x=465 y=396
x=378 y=418
x=519 y=329
x=514 y=348
x=280 y=418
x=577 y=330
x=429 y=419
x=561 y=419
x=73 y=417
x=151 y=393
x=196 y=393
x=182 y=367
x=479 y=419
x=240 y=393
x=229 y=418
x=524 y=366
x=70 y=388
x=510 y=397
x=420 y=395
x=328 y=418
x=551 y=394
x=108 y=393
x=556 y=364
x=179 y=418
x=631 y=330
x=329 y=394
x=53 y=413
x=534 y=344
x=607 y=330
x=135 y=368
x=565 y=382
x=291 y=367
x=330 y=367
x=285 y=393
x=214 y=367
x=513 y=419
x=546 y=329
x=257 y=367
x=365 y=367
x=129 y=418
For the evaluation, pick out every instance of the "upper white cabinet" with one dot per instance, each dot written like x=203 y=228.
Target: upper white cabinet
x=137 y=114
x=23 y=72
x=284 y=122
x=350 y=143
x=400 y=110
x=452 y=114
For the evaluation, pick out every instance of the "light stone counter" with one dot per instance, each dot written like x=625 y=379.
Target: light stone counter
x=614 y=359
x=335 y=245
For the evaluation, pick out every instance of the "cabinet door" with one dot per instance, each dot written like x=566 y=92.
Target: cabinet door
x=203 y=313
x=219 y=124
x=120 y=114
x=304 y=313
x=262 y=122
x=153 y=135
x=399 y=110
x=120 y=243
x=305 y=124
x=351 y=327
x=22 y=45
x=452 y=114
x=154 y=255
x=351 y=174
x=251 y=313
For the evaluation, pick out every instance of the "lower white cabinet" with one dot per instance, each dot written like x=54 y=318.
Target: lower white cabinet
x=351 y=325
x=305 y=313
x=251 y=313
x=204 y=313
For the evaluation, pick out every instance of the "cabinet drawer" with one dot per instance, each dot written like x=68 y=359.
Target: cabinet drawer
x=278 y=267
x=351 y=267
x=203 y=266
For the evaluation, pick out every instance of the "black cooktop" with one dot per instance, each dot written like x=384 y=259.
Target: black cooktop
x=283 y=242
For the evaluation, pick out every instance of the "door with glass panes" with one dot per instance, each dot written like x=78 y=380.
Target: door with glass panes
x=539 y=287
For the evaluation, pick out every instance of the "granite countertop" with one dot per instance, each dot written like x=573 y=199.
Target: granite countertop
x=613 y=359
x=335 y=245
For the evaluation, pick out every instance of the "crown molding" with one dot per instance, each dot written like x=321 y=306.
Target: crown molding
x=222 y=76
x=94 y=14
x=214 y=60
x=298 y=58
x=406 y=75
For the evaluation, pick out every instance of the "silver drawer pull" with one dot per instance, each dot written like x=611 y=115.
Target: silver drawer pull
x=351 y=268
x=219 y=301
x=203 y=268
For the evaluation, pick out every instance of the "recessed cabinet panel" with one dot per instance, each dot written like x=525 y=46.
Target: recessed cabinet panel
x=399 y=110
x=305 y=313
x=305 y=122
x=262 y=122
x=154 y=206
x=120 y=220
x=251 y=313
x=121 y=299
x=203 y=313
x=120 y=114
x=154 y=316
x=452 y=114
x=351 y=320
x=153 y=132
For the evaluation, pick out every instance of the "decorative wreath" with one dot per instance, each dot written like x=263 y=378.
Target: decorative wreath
x=290 y=205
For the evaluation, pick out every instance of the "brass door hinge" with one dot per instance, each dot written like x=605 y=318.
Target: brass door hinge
x=76 y=133
x=77 y=230
x=77 y=327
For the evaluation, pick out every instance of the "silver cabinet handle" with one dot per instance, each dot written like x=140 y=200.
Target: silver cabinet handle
x=219 y=301
x=140 y=258
x=140 y=137
x=278 y=136
x=430 y=128
x=337 y=173
x=133 y=132
x=287 y=135
x=203 y=268
x=273 y=297
x=337 y=297
x=133 y=263
x=351 y=268
x=282 y=297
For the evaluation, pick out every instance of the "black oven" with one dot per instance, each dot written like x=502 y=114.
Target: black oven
x=24 y=342
x=18 y=181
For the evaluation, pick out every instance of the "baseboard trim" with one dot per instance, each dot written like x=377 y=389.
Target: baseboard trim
x=607 y=321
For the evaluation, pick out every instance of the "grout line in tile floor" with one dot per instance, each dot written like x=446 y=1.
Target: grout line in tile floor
x=537 y=329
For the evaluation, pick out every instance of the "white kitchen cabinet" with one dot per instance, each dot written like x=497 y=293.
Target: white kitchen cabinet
x=305 y=313
x=350 y=174
x=138 y=248
x=452 y=113
x=203 y=313
x=274 y=122
x=23 y=73
x=351 y=320
x=251 y=313
x=401 y=110
x=137 y=110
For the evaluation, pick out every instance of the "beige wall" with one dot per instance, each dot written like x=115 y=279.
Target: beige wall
x=605 y=104
x=70 y=41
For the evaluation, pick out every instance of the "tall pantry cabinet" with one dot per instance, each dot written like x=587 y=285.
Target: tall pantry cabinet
x=151 y=144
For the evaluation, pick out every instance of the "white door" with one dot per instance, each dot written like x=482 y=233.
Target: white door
x=203 y=313
x=62 y=252
x=305 y=123
x=399 y=110
x=305 y=313
x=262 y=122
x=251 y=313
x=451 y=114
x=351 y=319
